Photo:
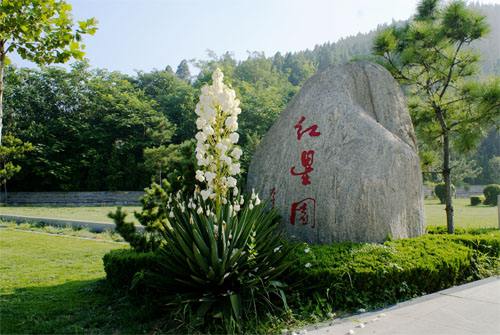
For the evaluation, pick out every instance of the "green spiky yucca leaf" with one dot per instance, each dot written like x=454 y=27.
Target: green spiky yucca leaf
x=225 y=265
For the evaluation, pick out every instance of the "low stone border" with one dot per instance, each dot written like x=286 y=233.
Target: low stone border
x=92 y=226
x=120 y=198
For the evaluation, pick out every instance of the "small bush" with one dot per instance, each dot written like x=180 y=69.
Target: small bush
x=440 y=191
x=474 y=201
x=122 y=265
x=153 y=211
x=491 y=193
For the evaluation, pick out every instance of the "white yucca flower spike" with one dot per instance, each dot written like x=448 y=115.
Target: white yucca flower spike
x=216 y=151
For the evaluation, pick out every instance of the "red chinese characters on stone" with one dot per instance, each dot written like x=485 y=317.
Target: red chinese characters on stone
x=304 y=211
x=306 y=159
x=312 y=130
x=273 y=196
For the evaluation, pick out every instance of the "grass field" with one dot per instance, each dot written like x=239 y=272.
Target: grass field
x=466 y=216
x=53 y=284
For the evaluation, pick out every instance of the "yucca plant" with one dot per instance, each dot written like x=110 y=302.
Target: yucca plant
x=225 y=265
x=221 y=253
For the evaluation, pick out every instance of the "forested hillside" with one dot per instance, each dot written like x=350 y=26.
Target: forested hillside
x=99 y=130
x=358 y=46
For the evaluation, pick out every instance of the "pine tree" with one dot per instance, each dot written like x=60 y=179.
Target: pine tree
x=430 y=56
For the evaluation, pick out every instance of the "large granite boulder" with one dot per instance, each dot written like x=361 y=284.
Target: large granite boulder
x=341 y=162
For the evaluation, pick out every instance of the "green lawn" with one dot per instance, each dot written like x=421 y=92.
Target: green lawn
x=53 y=284
x=466 y=216
x=92 y=213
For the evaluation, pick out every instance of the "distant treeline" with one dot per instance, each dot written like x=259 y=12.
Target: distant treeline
x=99 y=130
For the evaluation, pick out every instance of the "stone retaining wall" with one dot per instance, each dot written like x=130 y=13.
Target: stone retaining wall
x=132 y=197
x=92 y=226
x=461 y=192
x=73 y=198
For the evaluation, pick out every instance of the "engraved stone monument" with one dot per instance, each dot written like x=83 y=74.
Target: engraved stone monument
x=341 y=161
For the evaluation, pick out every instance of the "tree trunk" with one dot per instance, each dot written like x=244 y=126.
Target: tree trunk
x=5 y=192
x=2 y=65
x=447 y=182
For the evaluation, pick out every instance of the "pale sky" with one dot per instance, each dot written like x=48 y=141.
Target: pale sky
x=146 y=34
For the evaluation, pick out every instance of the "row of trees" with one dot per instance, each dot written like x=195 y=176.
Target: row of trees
x=43 y=32
x=98 y=130
x=88 y=128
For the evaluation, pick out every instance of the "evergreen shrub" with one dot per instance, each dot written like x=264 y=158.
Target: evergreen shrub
x=491 y=193
x=440 y=192
x=475 y=200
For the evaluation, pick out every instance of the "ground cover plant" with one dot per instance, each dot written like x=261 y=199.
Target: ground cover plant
x=360 y=275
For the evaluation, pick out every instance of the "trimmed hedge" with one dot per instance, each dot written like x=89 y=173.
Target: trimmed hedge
x=354 y=275
x=491 y=193
x=475 y=200
x=486 y=243
x=121 y=265
x=482 y=239
x=440 y=191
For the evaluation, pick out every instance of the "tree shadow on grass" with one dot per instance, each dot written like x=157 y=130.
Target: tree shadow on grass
x=75 y=307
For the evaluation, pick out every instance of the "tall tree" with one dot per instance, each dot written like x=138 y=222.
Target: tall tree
x=183 y=71
x=41 y=31
x=429 y=55
x=298 y=67
x=174 y=97
x=169 y=69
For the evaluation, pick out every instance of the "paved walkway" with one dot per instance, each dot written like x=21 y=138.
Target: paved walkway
x=472 y=308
